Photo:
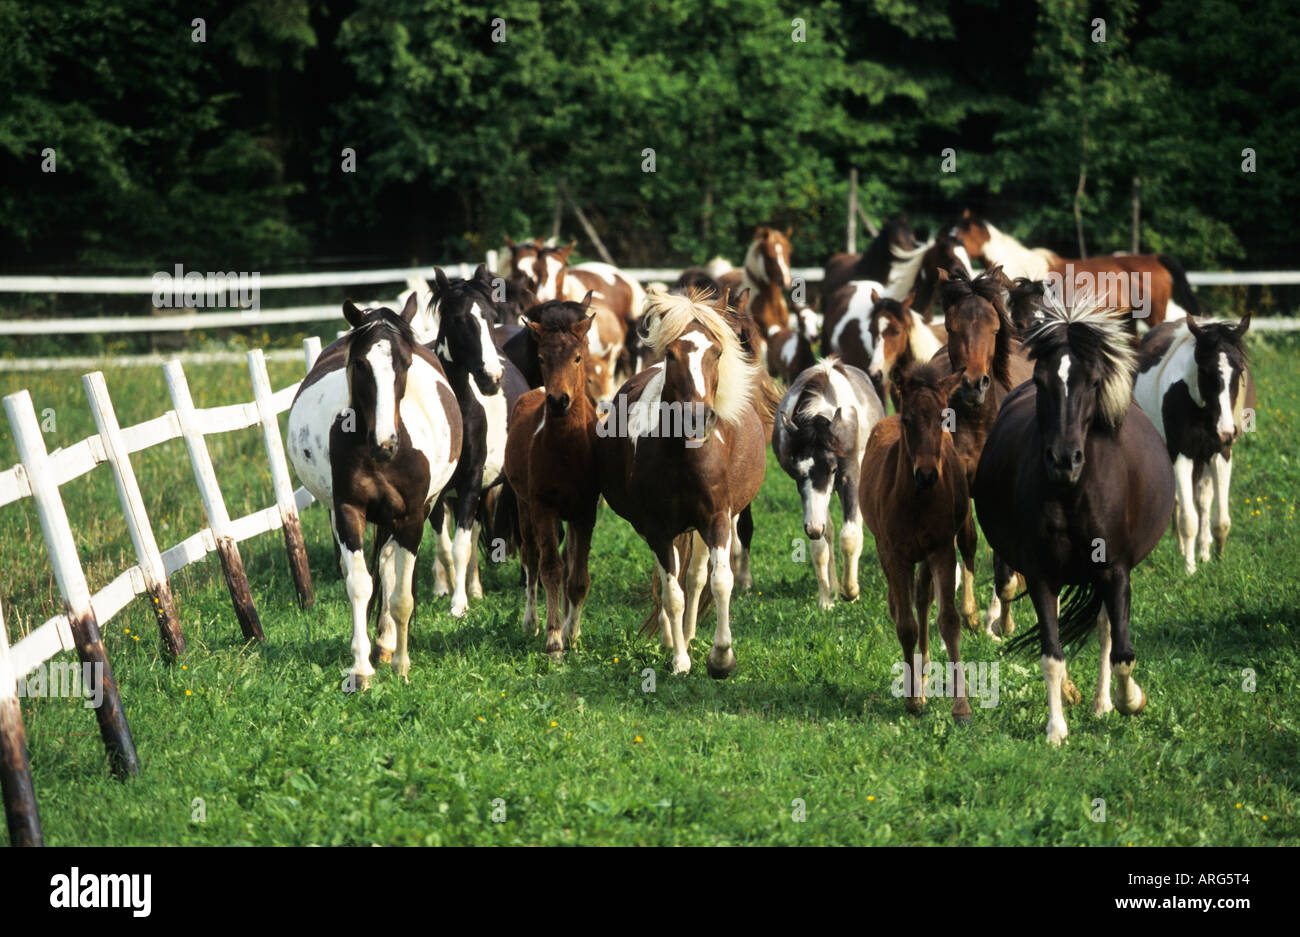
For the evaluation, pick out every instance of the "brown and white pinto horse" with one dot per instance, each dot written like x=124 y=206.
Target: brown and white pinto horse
x=874 y=263
x=1194 y=382
x=375 y=433
x=916 y=271
x=550 y=467
x=766 y=274
x=899 y=337
x=915 y=503
x=1074 y=489
x=790 y=347
x=690 y=458
x=1153 y=286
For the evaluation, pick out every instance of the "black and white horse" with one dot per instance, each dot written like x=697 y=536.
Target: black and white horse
x=375 y=434
x=486 y=385
x=823 y=423
x=1195 y=384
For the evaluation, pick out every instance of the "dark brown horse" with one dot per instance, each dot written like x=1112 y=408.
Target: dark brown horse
x=1074 y=489
x=872 y=264
x=915 y=503
x=684 y=450
x=983 y=348
x=550 y=466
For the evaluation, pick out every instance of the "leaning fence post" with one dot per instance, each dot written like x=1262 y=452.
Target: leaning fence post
x=280 y=481
x=15 y=770
x=71 y=579
x=232 y=564
x=311 y=350
x=137 y=519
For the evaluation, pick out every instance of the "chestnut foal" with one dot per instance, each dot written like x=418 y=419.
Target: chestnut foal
x=550 y=466
x=916 y=503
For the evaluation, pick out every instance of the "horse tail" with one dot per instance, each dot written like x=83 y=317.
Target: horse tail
x=382 y=536
x=1080 y=605
x=1182 y=293
x=505 y=518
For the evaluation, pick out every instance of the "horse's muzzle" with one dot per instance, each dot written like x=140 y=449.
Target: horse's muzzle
x=972 y=393
x=558 y=406
x=487 y=385
x=925 y=478
x=1064 y=468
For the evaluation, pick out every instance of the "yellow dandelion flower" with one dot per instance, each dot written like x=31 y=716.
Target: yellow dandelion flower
x=616 y=660
x=126 y=630
x=871 y=797
x=554 y=723
x=1238 y=806
x=188 y=693
x=481 y=719
x=637 y=739
x=1265 y=816
x=185 y=667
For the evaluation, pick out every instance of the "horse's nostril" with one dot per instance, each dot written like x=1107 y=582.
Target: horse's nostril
x=984 y=382
x=1077 y=458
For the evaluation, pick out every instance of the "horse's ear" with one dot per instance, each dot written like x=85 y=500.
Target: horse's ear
x=566 y=250
x=1194 y=328
x=787 y=422
x=441 y=282
x=741 y=301
x=535 y=328
x=354 y=315
x=1240 y=331
x=510 y=242
x=788 y=232
x=875 y=297
x=907 y=303
x=720 y=306
x=995 y=273
x=482 y=274
x=586 y=300
x=582 y=326
x=966 y=213
x=942 y=273
x=412 y=306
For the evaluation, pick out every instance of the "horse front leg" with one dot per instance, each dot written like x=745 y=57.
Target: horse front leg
x=902 y=591
x=443 y=564
x=386 y=639
x=1101 y=700
x=402 y=597
x=722 y=658
x=943 y=568
x=695 y=579
x=1129 y=698
x=743 y=536
x=967 y=541
x=462 y=546
x=349 y=534
x=1185 y=498
x=530 y=564
x=577 y=549
x=672 y=605
x=545 y=530
x=1052 y=659
x=850 y=536
x=1222 y=469
x=1204 y=504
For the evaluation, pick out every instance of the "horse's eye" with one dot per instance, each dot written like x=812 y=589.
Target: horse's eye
x=577 y=359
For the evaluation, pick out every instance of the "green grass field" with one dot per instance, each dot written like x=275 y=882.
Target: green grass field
x=577 y=752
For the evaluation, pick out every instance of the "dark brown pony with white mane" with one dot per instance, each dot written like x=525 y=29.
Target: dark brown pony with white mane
x=689 y=458
x=915 y=503
x=1074 y=489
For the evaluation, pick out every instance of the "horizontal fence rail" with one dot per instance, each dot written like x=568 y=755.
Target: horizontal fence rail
x=245 y=318
x=39 y=476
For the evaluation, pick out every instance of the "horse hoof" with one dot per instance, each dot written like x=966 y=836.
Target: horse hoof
x=459 y=610
x=1101 y=705
x=850 y=596
x=384 y=655
x=973 y=621
x=360 y=682
x=721 y=669
x=961 y=719
x=1127 y=710
x=915 y=704
x=1070 y=693
x=826 y=604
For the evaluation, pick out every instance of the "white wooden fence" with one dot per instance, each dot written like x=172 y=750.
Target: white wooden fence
x=39 y=476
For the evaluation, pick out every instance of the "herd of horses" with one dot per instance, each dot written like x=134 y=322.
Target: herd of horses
x=513 y=401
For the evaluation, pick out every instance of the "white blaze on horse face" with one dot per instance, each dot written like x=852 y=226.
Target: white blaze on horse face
x=695 y=361
x=783 y=265
x=550 y=289
x=380 y=359
x=1226 y=425
x=816 y=507
x=877 y=365
x=491 y=361
x=528 y=267
x=1063 y=372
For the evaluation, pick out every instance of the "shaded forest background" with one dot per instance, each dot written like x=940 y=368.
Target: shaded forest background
x=227 y=154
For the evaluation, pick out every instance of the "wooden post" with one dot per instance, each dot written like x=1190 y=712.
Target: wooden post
x=232 y=564
x=280 y=480
x=137 y=519
x=71 y=578
x=557 y=213
x=311 y=351
x=1135 y=242
x=867 y=222
x=15 y=770
x=851 y=237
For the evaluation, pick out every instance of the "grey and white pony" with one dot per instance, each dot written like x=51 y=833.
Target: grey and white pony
x=819 y=437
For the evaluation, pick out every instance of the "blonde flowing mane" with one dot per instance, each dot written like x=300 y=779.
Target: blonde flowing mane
x=669 y=315
x=1015 y=259
x=903 y=269
x=1092 y=332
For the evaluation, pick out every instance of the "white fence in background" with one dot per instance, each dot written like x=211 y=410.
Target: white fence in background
x=39 y=476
